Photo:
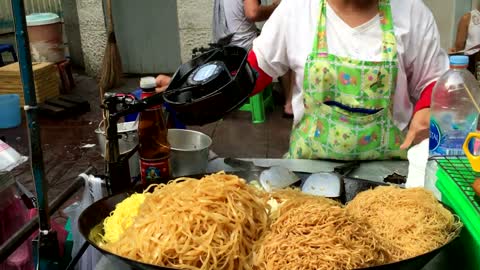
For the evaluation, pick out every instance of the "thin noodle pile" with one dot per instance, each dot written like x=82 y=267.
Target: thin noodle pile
x=278 y=199
x=211 y=223
x=410 y=221
x=317 y=233
x=296 y=197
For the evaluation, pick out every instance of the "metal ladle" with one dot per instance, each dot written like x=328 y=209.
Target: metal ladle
x=270 y=178
x=329 y=184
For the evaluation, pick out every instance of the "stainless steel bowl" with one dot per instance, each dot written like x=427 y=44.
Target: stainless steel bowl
x=129 y=139
x=189 y=151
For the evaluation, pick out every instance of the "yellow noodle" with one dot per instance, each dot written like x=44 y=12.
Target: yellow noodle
x=210 y=223
x=122 y=217
x=410 y=221
x=317 y=233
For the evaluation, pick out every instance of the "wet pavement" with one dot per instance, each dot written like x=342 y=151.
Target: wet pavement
x=64 y=141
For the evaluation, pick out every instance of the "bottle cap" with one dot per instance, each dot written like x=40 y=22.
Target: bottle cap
x=148 y=83
x=459 y=60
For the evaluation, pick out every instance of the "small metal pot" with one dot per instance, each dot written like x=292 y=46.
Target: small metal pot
x=128 y=133
x=189 y=151
x=129 y=139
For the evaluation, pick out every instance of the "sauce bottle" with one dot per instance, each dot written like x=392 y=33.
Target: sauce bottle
x=154 y=149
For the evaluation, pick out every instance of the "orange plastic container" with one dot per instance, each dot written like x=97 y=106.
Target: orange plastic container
x=45 y=32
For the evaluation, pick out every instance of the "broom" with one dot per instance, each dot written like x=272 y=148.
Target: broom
x=112 y=64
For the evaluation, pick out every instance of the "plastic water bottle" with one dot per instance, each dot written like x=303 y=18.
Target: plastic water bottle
x=453 y=114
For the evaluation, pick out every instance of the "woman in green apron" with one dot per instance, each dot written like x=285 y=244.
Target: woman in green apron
x=364 y=74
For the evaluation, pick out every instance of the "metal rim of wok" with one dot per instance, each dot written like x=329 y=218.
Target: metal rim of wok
x=91 y=219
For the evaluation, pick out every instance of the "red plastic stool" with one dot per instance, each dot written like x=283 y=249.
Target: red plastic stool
x=66 y=76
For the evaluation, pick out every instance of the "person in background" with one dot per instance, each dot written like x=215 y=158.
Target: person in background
x=234 y=21
x=468 y=33
x=234 y=24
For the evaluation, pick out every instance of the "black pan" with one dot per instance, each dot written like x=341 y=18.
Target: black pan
x=90 y=226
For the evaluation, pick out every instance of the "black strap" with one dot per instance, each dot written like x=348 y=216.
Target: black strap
x=350 y=109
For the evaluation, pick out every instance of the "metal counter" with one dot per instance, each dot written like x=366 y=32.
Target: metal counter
x=374 y=170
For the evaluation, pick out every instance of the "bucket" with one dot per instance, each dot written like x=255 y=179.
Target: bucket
x=190 y=151
x=10 y=115
x=129 y=140
x=46 y=37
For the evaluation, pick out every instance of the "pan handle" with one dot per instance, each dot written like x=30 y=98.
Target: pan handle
x=241 y=164
x=346 y=168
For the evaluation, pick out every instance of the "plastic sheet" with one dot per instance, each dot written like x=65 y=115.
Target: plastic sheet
x=93 y=192
x=14 y=210
x=9 y=158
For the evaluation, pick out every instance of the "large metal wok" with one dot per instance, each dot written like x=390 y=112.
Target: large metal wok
x=90 y=225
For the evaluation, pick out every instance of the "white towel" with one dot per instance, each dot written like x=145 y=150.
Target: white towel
x=417 y=158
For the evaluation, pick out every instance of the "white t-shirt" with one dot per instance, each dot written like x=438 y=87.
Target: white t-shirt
x=245 y=31
x=287 y=39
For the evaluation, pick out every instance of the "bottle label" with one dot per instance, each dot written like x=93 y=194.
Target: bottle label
x=449 y=141
x=154 y=171
x=435 y=135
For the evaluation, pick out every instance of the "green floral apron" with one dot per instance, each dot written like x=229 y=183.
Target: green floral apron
x=363 y=129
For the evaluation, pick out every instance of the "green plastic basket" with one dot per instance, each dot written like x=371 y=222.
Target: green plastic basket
x=455 y=179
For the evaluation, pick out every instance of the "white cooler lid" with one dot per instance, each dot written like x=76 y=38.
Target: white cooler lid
x=37 y=19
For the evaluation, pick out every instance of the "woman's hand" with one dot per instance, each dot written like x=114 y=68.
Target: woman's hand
x=419 y=129
x=162 y=83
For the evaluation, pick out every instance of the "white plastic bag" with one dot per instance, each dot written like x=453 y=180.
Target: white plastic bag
x=9 y=158
x=93 y=192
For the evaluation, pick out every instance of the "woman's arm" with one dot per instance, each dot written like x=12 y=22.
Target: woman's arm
x=462 y=32
x=256 y=12
x=263 y=79
x=268 y=56
x=425 y=98
x=162 y=83
x=425 y=61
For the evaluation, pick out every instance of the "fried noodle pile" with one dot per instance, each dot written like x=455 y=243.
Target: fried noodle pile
x=220 y=222
x=210 y=223
x=410 y=221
